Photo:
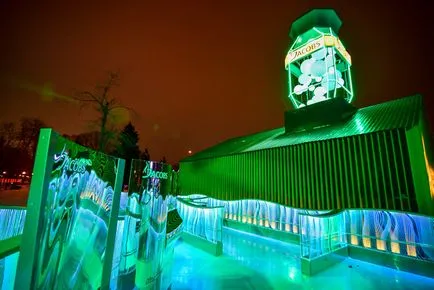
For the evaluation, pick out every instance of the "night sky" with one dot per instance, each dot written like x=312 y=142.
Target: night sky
x=196 y=72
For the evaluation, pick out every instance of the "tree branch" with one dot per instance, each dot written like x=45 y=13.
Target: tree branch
x=87 y=96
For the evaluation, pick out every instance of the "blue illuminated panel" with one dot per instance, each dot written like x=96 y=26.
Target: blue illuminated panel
x=8 y=268
x=263 y=213
x=11 y=222
x=322 y=234
x=201 y=219
x=400 y=233
x=397 y=232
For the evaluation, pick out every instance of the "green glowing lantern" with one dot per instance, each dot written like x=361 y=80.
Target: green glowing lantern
x=319 y=67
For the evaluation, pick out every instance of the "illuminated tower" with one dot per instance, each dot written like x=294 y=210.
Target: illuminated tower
x=317 y=62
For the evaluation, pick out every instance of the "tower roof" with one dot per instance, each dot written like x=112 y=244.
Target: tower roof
x=316 y=18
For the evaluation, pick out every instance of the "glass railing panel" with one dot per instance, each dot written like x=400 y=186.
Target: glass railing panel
x=322 y=234
x=400 y=233
x=201 y=220
x=8 y=268
x=11 y=221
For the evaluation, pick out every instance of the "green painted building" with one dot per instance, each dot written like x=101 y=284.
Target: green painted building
x=329 y=154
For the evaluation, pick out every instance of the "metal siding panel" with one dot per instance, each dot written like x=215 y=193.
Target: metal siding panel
x=329 y=182
x=368 y=156
x=362 y=170
x=311 y=177
x=341 y=172
x=249 y=180
x=292 y=175
x=403 y=166
x=282 y=177
x=267 y=193
x=266 y=167
x=257 y=175
x=243 y=174
x=231 y=173
x=234 y=178
x=383 y=171
x=226 y=168
x=216 y=174
x=299 y=177
x=309 y=173
x=320 y=180
x=274 y=177
x=336 y=190
x=389 y=166
x=261 y=175
x=247 y=173
x=270 y=178
x=286 y=177
x=277 y=172
x=324 y=191
x=222 y=171
x=316 y=169
x=395 y=165
x=358 y=181
x=303 y=177
x=347 y=172
x=375 y=148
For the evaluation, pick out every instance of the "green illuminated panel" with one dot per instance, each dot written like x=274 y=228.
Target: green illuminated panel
x=68 y=237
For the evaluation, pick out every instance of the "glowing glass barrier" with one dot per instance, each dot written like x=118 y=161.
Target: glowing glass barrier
x=11 y=222
x=141 y=250
x=396 y=232
x=11 y=225
x=8 y=268
x=117 y=253
x=200 y=219
x=263 y=213
x=69 y=232
x=322 y=234
x=399 y=233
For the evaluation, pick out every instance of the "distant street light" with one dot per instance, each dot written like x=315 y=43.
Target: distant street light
x=4 y=172
x=189 y=152
x=23 y=173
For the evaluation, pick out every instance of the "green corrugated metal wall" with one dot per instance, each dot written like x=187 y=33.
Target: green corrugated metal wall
x=362 y=171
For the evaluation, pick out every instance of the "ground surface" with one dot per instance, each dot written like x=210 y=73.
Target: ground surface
x=14 y=197
x=250 y=262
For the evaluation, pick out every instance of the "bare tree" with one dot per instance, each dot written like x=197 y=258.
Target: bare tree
x=8 y=132
x=89 y=139
x=105 y=104
x=18 y=144
x=29 y=134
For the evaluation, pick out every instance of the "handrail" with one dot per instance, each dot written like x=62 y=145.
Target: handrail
x=334 y=212
x=307 y=209
x=10 y=246
x=194 y=197
x=262 y=200
x=189 y=203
